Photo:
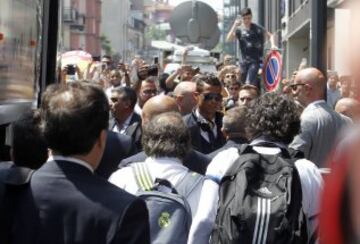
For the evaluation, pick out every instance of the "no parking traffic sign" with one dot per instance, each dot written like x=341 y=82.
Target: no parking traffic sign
x=272 y=70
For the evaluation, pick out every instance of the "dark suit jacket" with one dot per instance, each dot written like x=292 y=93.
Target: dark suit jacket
x=117 y=148
x=198 y=142
x=66 y=203
x=134 y=130
x=194 y=160
x=234 y=142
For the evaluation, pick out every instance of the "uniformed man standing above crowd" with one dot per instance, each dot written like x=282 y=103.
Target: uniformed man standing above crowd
x=251 y=39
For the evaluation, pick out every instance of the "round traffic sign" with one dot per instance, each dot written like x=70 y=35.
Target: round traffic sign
x=272 y=70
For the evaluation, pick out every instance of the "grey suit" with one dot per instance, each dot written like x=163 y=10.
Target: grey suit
x=320 y=126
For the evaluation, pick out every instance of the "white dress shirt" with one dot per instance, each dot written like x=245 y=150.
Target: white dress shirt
x=122 y=128
x=170 y=169
x=212 y=124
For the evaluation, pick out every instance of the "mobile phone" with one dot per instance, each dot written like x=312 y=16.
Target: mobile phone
x=71 y=69
x=153 y=70
x=156 y=60
x=96 y=58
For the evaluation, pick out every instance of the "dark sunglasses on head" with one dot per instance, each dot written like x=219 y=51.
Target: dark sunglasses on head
x=212 y=96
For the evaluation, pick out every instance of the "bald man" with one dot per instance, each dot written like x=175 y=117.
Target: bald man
x=184 y=94
x=157 y=105
x=349 y=107
x=320 y=124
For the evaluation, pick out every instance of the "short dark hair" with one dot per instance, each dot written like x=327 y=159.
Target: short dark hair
x=29 y=148
x=274 y=115
x=162 y=82
x=209 y=79
x=166 y=135
x=106 y=56
x=128 y=93
x=245 y=11
x=250 y=87
x=235 y=120
x=74 y=117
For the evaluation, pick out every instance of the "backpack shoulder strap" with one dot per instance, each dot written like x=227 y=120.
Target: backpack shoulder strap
x=188 y=183
x=142 y=176
x=246 y=154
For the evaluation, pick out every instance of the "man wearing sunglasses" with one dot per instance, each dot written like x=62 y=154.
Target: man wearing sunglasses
x=205 y=121
x=320 y=124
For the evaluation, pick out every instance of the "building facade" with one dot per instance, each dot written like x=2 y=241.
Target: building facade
x=123 y=27
x=114 y=25
x=81 y=25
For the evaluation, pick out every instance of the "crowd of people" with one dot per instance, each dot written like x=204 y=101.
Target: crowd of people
x=98 y=144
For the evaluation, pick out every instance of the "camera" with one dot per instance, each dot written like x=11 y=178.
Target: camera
x=71 y=69
x=146 y=71
x=153 y=70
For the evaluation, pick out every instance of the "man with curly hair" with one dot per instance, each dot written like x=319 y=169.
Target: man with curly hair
x=273 y=123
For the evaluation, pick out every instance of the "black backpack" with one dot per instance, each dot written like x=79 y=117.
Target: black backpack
x=260 y=201
x=12 y=181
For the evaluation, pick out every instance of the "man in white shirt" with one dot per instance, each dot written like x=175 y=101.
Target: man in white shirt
x=166 y=141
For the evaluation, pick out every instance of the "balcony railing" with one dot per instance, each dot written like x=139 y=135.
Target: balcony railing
x=70 y=15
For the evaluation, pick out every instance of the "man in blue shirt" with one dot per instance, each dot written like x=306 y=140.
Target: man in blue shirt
x=251 y=39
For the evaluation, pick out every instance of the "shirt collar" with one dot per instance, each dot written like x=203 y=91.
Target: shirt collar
x=127 y=121
x=314 y=104
x=72 y=160
x=163 y=160
x=202 y=118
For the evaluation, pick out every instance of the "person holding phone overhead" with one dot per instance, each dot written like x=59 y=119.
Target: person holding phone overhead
x=251 y=39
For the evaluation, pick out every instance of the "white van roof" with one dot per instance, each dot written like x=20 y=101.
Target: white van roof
x=196 y=55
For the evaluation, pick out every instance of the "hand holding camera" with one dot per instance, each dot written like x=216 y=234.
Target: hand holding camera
x=147 y=70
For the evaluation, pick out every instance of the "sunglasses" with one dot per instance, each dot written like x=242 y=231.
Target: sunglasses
x=114 y=99
x=212 y=96
x=150 y=92
x=295 y=86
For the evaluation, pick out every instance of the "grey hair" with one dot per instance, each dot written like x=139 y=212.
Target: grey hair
x=235 y=121
x=166 y=135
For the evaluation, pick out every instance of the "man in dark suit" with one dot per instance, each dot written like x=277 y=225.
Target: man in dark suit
x=117 y=147
x=66 y=202
x=124 y=120
x=205 y=122
x=193 y=160
x=233 y=129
